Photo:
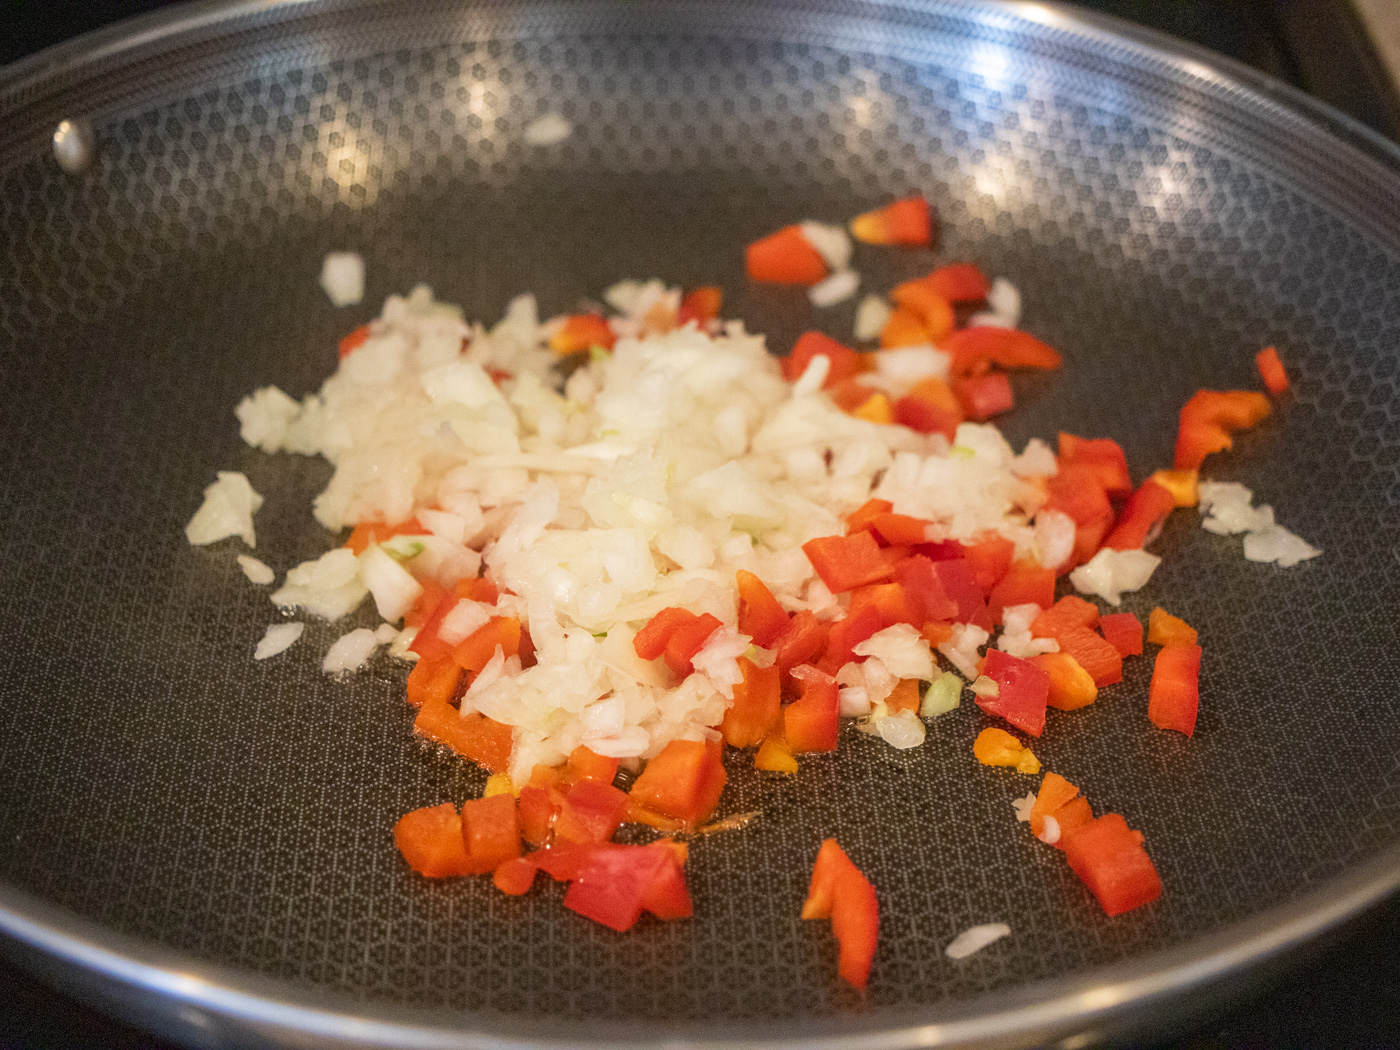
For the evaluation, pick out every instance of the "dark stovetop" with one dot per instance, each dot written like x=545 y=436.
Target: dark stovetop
x=1345 y=994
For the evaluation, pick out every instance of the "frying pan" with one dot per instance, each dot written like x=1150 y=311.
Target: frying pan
x=202 y=842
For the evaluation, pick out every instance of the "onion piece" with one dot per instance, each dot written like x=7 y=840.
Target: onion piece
x=975 y=939
x=277 y=639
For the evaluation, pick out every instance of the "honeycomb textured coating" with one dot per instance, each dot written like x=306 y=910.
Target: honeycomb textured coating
x=1162 y=227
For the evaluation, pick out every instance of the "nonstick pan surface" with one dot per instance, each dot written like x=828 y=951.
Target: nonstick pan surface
x=205 y=840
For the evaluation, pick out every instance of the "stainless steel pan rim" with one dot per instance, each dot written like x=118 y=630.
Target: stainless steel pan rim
x=190 y=996
x=1073 y=1011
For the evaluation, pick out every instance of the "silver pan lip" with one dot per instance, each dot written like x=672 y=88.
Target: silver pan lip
x=183 y=996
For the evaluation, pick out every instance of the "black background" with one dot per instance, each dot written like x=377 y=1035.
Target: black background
x=1347 y=992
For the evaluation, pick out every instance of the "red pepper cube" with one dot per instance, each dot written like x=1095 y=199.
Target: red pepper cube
x=538 y=809
x=1104 y=455
x=847 y=562
x=1109 y=858
x=1209 y=417
x=477 y=649
x=848 y=632
x=803 y=642
x=906 y=222
x=811 y=722
x=844 y=363
x=1270 y=370
x=1069 y=611
x=1142 y=517
x=1094 y=654
x=923 y=590
x=687 y=640
x=757 y=705
x=840 y=892
x=1026 y=582
x=977 y=349
x=490 y=832
x=683 y=782
x=760 y=615
x=1022 y=691
x=1078 y=491
x=784 y=257
x=485 y=741
x=591 y=812
x=651 y=640
x=515 y=877
x=1173 y=698
x=430 y=840
x=959 y=582
x=700 y=305
x=433 y=680
x=985 y=396
x=1123 y=631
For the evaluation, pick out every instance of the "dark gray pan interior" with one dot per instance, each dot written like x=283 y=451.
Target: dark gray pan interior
x=1163 y=222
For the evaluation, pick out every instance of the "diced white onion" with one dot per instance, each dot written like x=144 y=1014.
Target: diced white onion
x=256 y=571
x=343 y=277
x=837 y=288
x=463 y=620
x=1023 y=807
x=975 y=939
x=547 y=130
x=277 y=639
x=832 y=243
x=871 y=314
x=228 y=509
x=350 y=651
x=1110 y=573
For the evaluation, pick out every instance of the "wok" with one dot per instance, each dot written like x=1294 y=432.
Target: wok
x=202 y=842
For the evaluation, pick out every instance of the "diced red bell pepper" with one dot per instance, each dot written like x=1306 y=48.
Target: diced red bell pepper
x=1055 y=792
x=1109 y=858
x=1143 y=514
x=990 y=558
x=1071 y=687
x=757 y=705
x=353 y=341
x=582 y=332
x=1123 y=631
x=907 y=222
x=700 y=305
x=1094 y=654
x=904 y=327
x=433 y=680
x=959 y=582
x=846 y=633
x=425 y=604
x=612 y=884
x=845 y=363
x=899 y=530
x=1072 y=816
x=585 y=764
x=978 y=348
x=1069 y=611
x=784 y=257
x=984 y=396
x=863 y=517
x=840 y=892
x=847 y=562
x=538 y=808
x=683 y=782
x=960 y=283
x=924 y=590
x=490 y=832
x=687 y=640
x=930 y=407
x=650 y=641
x=515 y=877
x=1174 y=697
x=1165 y=629
x=760 y=615
x=486 y=742
x=1022 y=691
x=1104 y=455
x=1087 y=540
x=1025 y=581
x=477 y=649
x=591 y=812
x=1078 y=491
x=430 y=839
x=803 y=642
x=1271 y=370
x=935 y=312
x=810 y=723
x=1208 y=419
x=890 y=601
